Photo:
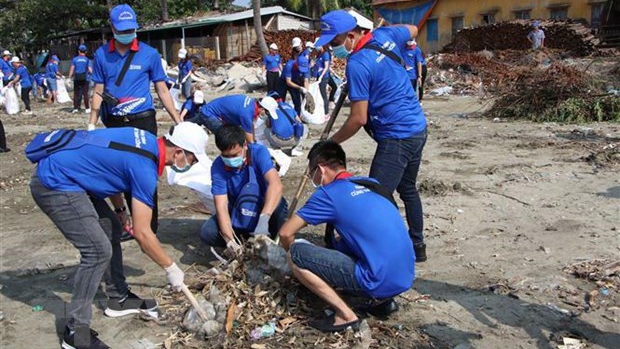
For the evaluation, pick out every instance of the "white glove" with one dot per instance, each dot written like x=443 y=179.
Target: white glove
x=175 y=277
x=303 y=90
x=233 y=249
x=262 y=228
x=91 y=127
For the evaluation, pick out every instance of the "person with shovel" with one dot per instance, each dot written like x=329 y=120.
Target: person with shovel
x=384 y=103
x=70 y=185
x=369 y=253
x=247 y=192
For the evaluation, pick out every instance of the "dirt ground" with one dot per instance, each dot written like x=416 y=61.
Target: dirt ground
x=508 y=205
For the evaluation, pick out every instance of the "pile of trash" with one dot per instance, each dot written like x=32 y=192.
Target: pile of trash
x=573 y=37
x=283 y=39
x=603 y=272
x=228 y=77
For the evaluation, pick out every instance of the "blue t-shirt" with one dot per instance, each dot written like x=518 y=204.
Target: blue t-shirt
x=320 y=63
x=393 y=108
x=291 y=71
x=237 y=110
x=282 y=126
x=229 y=181
x=51 y=69
x=419 y=55
x=185 y=67
x=80 y=64
x=7 y=69
x=272 y=62
x=39 y=78
x=104 y=172
x=371 y=231
x=134 y=93
x=303 y=61
x=410 y=62
x=191 y=107
x=24 y=76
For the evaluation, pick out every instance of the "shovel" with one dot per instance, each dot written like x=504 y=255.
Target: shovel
x=188 y=294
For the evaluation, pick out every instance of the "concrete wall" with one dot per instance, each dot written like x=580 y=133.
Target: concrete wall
x=472 y=12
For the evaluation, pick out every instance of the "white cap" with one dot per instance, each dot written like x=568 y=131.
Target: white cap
x=190 y=137
x=273 y=46
x=6 y=53
x=182 y=53
x=199 y=97
x=15 y=59
x=296 y=42
x=271 y=105
x=309 y=44
x=412 y=42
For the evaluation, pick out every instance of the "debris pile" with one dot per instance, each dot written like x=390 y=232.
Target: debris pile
x=281 y=38
x=573 y=37
x=604 y=272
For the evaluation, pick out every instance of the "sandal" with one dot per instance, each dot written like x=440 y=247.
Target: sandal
x=327 y=325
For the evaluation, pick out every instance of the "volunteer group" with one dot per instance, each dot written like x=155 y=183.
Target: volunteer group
x=100 y=184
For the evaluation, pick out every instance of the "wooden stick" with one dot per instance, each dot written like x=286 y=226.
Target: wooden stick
x=194 y=302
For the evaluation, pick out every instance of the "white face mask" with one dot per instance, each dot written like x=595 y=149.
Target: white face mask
x=316 y=186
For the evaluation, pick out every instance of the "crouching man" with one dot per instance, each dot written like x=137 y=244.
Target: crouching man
x=76 y=172
x=371 y=255
x=247 y=192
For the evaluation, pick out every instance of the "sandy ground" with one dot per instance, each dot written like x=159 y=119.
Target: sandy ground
x=507 y=206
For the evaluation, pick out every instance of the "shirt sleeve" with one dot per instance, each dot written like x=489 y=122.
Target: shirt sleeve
x=358 y=77
x=318 y=209
x=287 y=71
x=143 y=185
x=187 y=105
x=218 y=180
x=247 y=118
x=265 y=61
x=98 y=75
x=73 y=63
x=261 y=159
x=156 y=73
x=401 y=35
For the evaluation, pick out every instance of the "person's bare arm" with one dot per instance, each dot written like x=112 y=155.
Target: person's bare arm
x=183 y=113
x=273 y=196
x=166 y=100
x=223 y=217
x=141 y=216
x=71 y=71
x=249 y=137
x=357 y=119
x=288 y=230
x=290 y=83
x=95 y=104
x=413 y=30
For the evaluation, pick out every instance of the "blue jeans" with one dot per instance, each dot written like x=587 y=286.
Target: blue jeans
x=210 y=230
x=334 y=267
x=186 y=88
x=211 y=123
x=395 y=165
x=52 y=84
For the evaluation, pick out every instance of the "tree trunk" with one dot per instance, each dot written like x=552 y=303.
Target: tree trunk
x=109 y=4
x=258 y=27
x=164 y=10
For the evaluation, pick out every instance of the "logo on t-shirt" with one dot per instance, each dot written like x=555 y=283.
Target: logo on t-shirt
x=135 y=67
x=247 y=212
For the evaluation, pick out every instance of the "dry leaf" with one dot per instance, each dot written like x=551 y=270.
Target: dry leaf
x=230 y=316
x=168 y=343
x=258 y=346
x=286 y=322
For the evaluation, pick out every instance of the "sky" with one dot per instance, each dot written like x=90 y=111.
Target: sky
x=245 y=3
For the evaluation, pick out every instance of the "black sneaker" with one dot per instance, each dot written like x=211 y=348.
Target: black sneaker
x=130 y=304
x=420 y=253
x=82 y=338
x=384 y=309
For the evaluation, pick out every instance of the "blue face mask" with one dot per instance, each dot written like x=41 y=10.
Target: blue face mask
x=340 y=51
x=125 y=39
x=235 y=162
x=185 y=168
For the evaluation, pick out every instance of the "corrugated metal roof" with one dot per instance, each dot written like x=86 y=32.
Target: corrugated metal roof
x=383 y=2
x=231 y=17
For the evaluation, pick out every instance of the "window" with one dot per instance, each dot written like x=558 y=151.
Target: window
x=457 y=24
x=559 y=13
x=522 y=14
x=488 y=18
x=597 y=12
x=432 y=30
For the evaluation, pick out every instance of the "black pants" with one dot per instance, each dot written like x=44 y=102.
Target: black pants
x=296 y=97
x=26 y=97
x=2 y=137
x=421 y=89
x=281 y=88
x=332 y=84
x=80 y=90
x=272 y=81
x=148 y=124
x=323 y=89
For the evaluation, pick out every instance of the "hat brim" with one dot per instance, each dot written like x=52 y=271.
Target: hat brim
x=325 y=39
x=125 y=25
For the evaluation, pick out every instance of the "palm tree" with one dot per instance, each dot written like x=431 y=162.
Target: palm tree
x=258 y=27
x=164 y=10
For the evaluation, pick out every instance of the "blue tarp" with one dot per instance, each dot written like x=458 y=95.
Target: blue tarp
x=412 y=15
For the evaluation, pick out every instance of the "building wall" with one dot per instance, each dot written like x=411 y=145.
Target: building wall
x=472 y=13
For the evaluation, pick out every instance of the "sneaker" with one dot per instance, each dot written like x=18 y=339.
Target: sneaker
x=87 y=111
x=75 y=111
x=332 y=105
x=130 y=304
x=420 y=253
x=296 y=152
x=5 y=150
x=82 y=338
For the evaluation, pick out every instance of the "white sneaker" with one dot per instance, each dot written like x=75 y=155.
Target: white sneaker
x=332 y=105
x=27 y=112
x=75 y=111
x=88 y=111
x=296 y=152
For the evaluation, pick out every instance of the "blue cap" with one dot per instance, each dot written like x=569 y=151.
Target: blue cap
x=55 y=58
x=333 y=24
x=123 y=17
x=537 y=23
x=82 y=48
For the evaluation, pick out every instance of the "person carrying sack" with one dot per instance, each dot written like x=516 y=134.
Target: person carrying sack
x=80 y=69
x=247 y=192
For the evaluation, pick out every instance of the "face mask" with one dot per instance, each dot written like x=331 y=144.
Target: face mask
x=185 y=168
x=125 y=39
x=340 y=51
x=235 y=162
x=316 y=186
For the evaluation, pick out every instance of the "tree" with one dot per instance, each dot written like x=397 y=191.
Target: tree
x=258 y=27
x=164 y=10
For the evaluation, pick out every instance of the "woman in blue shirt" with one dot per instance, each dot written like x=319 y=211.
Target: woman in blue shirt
x=272 y=65
x=22 y=76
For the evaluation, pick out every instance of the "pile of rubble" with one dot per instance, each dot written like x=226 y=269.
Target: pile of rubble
x=281 y=38
x=572 y=37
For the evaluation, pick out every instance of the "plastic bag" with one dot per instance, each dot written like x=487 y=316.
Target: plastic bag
x=175 y=92
x=318 y=117
x=63 y=95
x=11 y=103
